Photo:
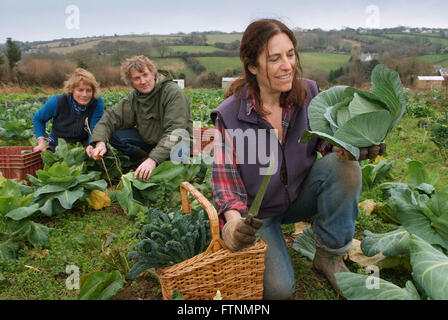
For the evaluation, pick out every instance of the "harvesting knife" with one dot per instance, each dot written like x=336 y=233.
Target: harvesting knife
x=255 y=206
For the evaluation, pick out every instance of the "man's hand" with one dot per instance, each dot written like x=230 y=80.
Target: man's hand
x=41 y=145
x=144 y=171
x=364 y=153
x=237 y=234
x=98 y=152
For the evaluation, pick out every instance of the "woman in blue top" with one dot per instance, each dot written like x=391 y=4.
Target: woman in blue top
x=69 y=110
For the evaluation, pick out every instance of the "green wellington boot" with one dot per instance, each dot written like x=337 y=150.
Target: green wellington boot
x=328 y=264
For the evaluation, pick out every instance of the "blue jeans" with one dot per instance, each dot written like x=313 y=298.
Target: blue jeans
x=131 y=143
x=331 y=192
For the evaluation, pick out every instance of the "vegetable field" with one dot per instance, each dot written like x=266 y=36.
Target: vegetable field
x=75 y=222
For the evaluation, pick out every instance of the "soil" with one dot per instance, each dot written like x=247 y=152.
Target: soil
x=145 y=287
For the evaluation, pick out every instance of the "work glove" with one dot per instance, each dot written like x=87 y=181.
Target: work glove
x=239 y=233
x=364 y=153
x=372 y=152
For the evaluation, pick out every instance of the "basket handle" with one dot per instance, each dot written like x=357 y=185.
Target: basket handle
x=216 y=243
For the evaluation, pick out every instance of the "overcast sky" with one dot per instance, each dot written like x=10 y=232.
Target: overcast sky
x=34 y=20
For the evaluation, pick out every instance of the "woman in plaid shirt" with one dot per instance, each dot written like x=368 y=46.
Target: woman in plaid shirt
x=265 y=112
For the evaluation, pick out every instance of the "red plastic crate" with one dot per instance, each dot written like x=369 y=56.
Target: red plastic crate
x=205 y=139
x=14 y=164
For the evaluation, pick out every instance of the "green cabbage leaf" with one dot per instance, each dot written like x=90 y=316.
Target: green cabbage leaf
x=352 y=119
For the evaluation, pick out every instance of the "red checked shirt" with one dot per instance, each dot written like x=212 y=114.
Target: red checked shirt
x=229 y=192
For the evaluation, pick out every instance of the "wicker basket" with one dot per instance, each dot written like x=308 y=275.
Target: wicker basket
x=238 y=275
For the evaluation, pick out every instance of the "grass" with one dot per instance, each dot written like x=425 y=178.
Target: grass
x=434 y=58
x=195 y=49
x=323 y=61
x=76 y=238
x=309 y=60
x=220 y=64
x=408 y=141
x=86 y=44
x=173 y=64
x=155 y=53
x=419 y=38
x=224 y=38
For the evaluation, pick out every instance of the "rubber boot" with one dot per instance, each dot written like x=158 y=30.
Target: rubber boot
x=328 y=264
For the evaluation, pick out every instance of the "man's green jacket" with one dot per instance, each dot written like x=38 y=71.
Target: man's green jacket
x=155 y=116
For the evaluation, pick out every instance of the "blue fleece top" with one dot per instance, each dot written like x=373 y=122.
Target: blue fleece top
x=50 y=109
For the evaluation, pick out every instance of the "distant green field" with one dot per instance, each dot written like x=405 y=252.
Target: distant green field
x=173 y=64
x=309 y=60
x=431 y=38
x=225 y=38
x=368 y=38
x=155 y=52
x=322 y=61
x=434 y=58
x=220 y=64
x=195 y=49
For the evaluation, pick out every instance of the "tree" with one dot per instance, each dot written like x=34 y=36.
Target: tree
x=2 y=61
x=13 y=54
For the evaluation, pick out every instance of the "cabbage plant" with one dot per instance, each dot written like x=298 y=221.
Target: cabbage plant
x=352 y=119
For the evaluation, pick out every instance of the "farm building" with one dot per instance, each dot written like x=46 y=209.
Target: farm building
x=444 y=72
x=180 y=83
x=226 y=82
x=367 y=57
x=430 y=82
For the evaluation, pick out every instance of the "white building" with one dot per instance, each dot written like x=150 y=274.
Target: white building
x=430 y=82
x=226 y=82
x=180 y=83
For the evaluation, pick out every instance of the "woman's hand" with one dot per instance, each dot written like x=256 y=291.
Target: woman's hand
x=144 y=171
x=364 y=153
x=98 y=152
x=237 y=233
x=41 y=145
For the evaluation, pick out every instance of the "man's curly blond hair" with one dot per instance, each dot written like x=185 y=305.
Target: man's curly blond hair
x=79 y=76
x=138 y=63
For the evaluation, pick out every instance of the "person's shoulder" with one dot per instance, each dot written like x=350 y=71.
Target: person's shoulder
x=309 y=83
x=53 y=100
x=231 y=101
x=171 y=86
x=310 y=86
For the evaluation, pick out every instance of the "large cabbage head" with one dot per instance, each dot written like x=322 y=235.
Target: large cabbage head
x=351 y=119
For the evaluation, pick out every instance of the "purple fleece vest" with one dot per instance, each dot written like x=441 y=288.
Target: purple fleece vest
x=296 y=158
